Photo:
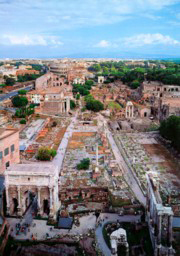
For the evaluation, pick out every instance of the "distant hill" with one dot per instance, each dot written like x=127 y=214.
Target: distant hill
x=123 y=55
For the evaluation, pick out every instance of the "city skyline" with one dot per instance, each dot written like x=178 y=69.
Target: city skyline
x=89 y=28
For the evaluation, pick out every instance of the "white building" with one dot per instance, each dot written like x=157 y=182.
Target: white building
x=119 y=237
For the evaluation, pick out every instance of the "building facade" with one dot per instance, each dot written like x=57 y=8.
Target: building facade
x=32 y=183
x=9 y=148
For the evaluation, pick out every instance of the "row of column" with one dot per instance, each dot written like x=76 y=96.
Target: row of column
x=157 y=217
x=38 y=199
x=65 y=106
x=169 y=234
x=129 y=111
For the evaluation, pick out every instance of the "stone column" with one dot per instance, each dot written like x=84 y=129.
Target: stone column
x=19 y=196
x=170 y=235
x=159 y=234
x=19 y=200
x=126 y=113
x=127 y=249
x=151 y=209
x=7 y=200
x=67 y=105
x=39 y=200
x=132 y=111
x=61 y=107
x=55 y=197
x=51 y=205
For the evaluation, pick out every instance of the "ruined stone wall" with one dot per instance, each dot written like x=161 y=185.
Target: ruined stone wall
x=44 y=82
x=87 y=194
x=52 y=107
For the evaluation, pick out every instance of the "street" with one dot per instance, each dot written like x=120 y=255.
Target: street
x=12 y=94
x=128 y=175
x=38 y=228
x=58 y=159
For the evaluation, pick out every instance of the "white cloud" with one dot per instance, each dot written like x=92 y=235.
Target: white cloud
x=103 y=44
x=151 y=16
x=138 y=41
x=47 y=15
x=174 y=23
x=26 y=40
x=150 y=39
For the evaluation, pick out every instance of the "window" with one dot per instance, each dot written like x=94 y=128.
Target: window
x=7 y=164
x=6 y=151
x=12 y=148
x=1 y=155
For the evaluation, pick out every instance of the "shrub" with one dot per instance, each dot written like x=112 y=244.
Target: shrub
x=53 y=152
x=77 y=96
x=72 y=104
x=45 y=154
x=83 y=109
x=84 y=164
x=23 y=121
x=22 y=92
x=94 y=105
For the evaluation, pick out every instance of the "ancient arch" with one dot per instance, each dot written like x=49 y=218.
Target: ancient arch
x=100 y=79
x=23 y=182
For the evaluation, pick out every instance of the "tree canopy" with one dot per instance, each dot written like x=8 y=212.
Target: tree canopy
x=19 y=101
x=28 y=77
x=128 y=74
x=22 y=92
x=84 y=164
x=170 y=129
x=94 y=105
x=9 y=81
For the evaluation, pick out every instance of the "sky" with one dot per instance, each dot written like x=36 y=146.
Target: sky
x=89 y=28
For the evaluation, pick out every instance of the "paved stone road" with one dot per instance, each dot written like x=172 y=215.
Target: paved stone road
x=58 y=159
x=12 y=94
x=128 y=175
x=40 y=228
